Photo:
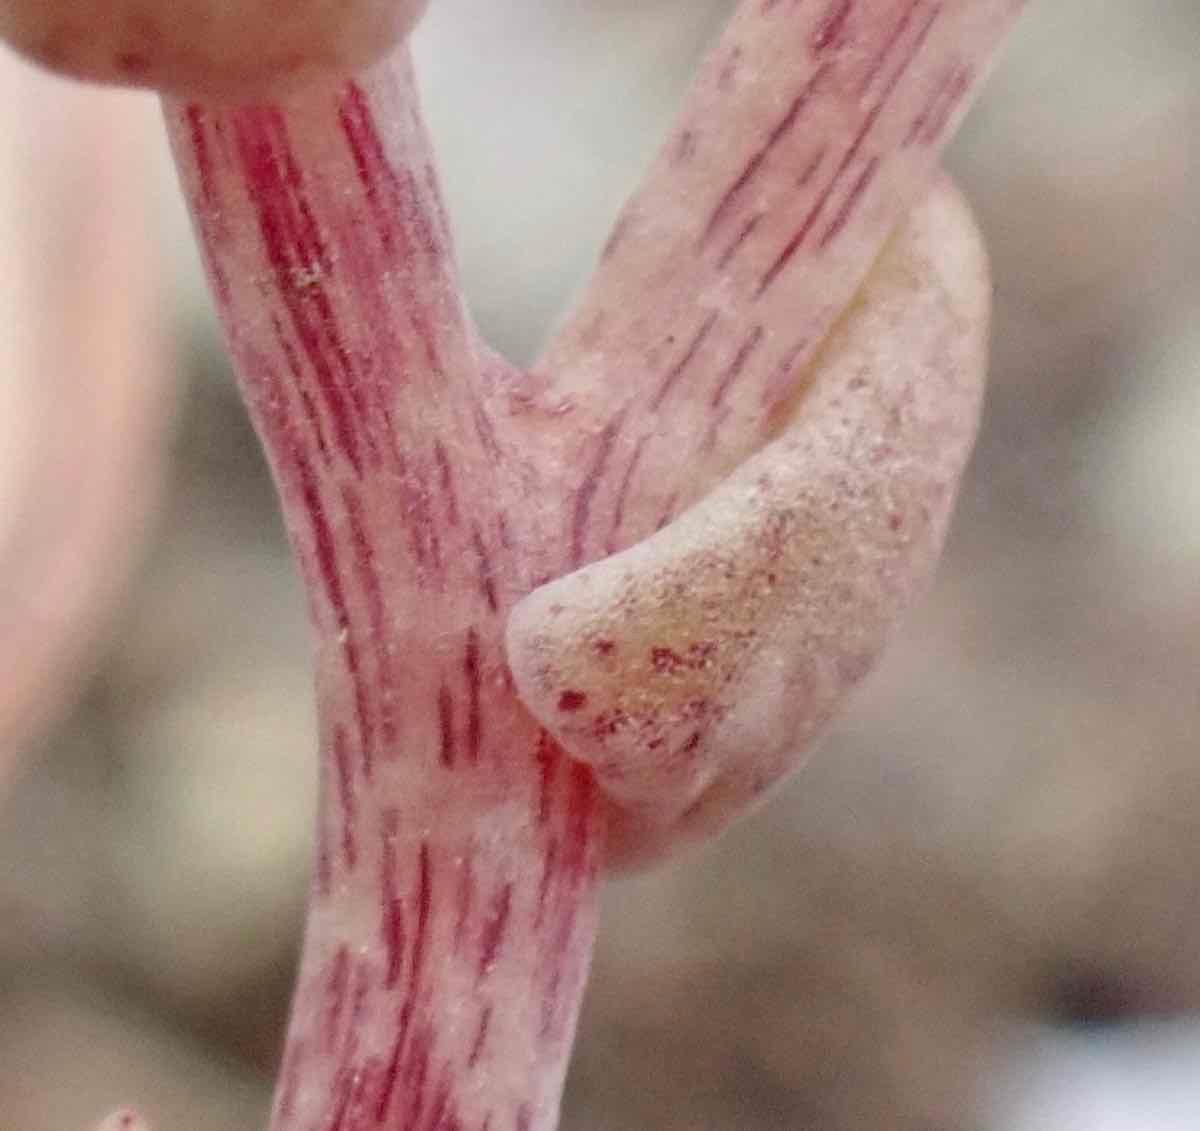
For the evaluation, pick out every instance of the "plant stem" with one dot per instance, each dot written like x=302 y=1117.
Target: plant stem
x=453 y=902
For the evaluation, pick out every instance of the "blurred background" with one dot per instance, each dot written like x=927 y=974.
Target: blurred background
x=978 y=908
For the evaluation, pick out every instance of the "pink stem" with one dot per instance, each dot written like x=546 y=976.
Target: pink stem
x=453 y=903
x=811 y=130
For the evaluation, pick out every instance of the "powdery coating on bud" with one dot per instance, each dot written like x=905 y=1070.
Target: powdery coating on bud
x=218 y=48
x=690 y=671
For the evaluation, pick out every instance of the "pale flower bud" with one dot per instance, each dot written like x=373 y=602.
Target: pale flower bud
x=215 y=48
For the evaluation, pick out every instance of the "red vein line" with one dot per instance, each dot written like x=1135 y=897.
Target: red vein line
x=677 y=370
x=322 y=542
x=548 y=761
x=306 y=399
x=313 y=249
x=446 y=727
x=937 y=112
x=848 y=205
x=209 y=222
x=502 y=531
x=466 y=897
x=485 y=1021
x=284 y=234
x=751 y=225
x=715 y=425
x=549 y=874
x=372 y=166
x=204 y=163
x=888 y=45
x=345 y=782
x=364 y=556
x=447 y=478
x=797 y=240
x=393 y=905
x=424 y=898
x=327 y=567
x=487 y=578
x=391 y=1075
x=374 y=374
x=623 y=493
x=810 y=170
x=668 y=510
x=783 y=372
x=440 y=1103
x=343 y=1091
x=736 y=366
x=289 y=1074
x=778 y=132
x=362 y=978
x=922 y=35
x=486 y=432
x=417 y=1073
x=336 y=985
x=474 y=710
x=738 y=241
x=831 y=29
x=494 y=929
x=588 y=488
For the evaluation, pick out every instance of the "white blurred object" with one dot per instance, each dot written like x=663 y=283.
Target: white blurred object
x=1135 y=1077
x=73 y=1052
x=544 y=114
x=1148 y=484
x=1080 y=162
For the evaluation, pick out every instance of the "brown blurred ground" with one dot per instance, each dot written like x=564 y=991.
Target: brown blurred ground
x=1006 y=824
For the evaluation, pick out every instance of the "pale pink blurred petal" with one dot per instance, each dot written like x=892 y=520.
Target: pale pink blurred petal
x=227 y=48
x=82 y=378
